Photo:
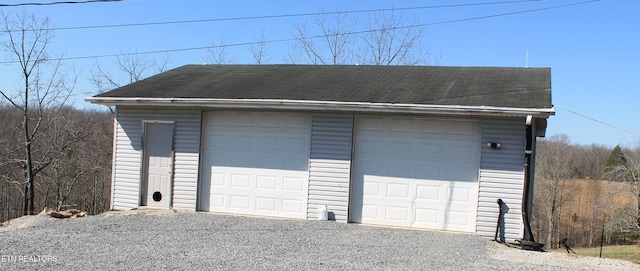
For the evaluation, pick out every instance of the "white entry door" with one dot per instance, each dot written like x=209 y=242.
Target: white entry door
x=416 y=172
x=158 y=161
x=256 y=163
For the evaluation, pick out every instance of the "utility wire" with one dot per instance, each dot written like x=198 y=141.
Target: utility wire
x=279 y=16
x=57 y=3
x=595 y=120
x=323 y=36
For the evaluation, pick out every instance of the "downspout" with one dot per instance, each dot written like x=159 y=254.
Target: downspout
x=528 y=151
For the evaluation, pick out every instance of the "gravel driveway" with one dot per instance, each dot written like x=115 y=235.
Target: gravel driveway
x=166 y=240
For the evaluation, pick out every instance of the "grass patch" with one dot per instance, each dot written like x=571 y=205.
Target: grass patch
x=628 y=252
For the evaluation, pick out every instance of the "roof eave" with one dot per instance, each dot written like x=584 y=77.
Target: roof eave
x=323 y=106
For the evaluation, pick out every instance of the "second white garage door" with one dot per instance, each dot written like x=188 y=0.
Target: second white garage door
x=255 y=163
x=416 y=172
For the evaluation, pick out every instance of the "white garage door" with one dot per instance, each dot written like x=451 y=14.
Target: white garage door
x=416 y=172
x=255 y=163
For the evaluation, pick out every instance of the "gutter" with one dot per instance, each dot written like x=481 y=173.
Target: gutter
x=279 y=104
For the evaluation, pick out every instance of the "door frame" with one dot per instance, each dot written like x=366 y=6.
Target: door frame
x=144 y=167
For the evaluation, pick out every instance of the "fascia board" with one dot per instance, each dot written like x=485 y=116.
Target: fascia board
x=324 y=106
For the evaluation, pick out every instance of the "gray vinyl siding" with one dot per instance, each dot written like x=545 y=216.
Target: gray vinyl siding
x=330 y=165
x=501 y=177
x=128 y=155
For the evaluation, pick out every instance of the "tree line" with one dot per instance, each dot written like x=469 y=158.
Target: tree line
x=586 y=193
x=72 y=155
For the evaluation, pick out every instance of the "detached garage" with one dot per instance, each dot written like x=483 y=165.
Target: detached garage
x=410 y=146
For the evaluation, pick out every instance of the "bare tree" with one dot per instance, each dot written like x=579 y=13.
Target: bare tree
x=553 y=169
x=391 y=41
x=70 y=130
x=590 y=161
x=10 y=151
x=632 y=217
x=388 y=40
x=96 y=154
x=217 y=54
x=332 y=45
x=130 y=67
x=259 y=50
x=45 y=90
x=596 y=200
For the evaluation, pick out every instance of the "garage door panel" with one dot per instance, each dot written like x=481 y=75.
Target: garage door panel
x=370 y=212
x=402 y=126
x=425 y=218
x=373 y=167
x=370 y=124
x=226 y=159
x=398 y=190
x=269 y=121
x=459 y=195
x=460 y=173
x=397 y=214
x=432 y=127
x=371 y=147
x=420 y=173
x=399 y=148
x=219 y=141
x=299 y=122
x=239 y=120
x=428 y=193
x=217 y=179
x=429 y=172
x=266 y=204
x=429 y=150
x=240 y=202
x=268 y=143
x=293 y=206
x=464 y=128
x=292 y=184
x=239 y=181
x=372 y=189
x=463 y=152
x=294 y=143
x=295 y=162
x=398 y=166
x=241 y=142
x=265 y=161
x=265 y=169
x=457 y=219
x=217 y=200
x=266 y=182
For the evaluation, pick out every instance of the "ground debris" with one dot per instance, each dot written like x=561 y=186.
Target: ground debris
x=70 y=213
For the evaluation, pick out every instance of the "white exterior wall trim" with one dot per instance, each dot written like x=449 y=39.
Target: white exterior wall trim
x=325 y=106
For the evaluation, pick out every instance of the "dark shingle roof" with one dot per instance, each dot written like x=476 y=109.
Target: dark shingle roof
x=423 y=85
